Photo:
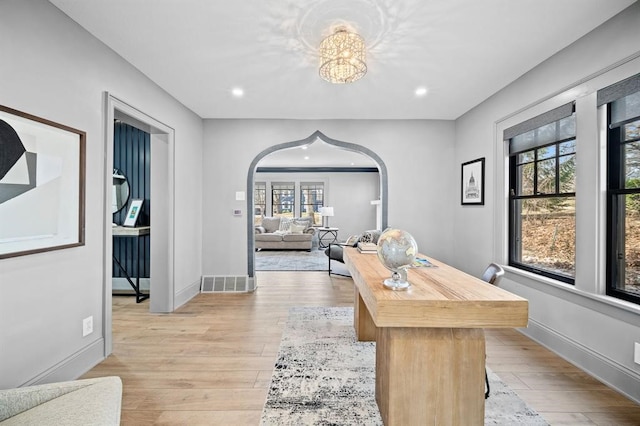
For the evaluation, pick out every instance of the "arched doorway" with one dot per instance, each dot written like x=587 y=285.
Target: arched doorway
x=317 y=135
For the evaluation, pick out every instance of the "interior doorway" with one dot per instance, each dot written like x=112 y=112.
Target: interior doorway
x=161 y=249
x=317 y=135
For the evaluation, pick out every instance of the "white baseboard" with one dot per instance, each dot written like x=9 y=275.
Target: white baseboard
x=73 y=366
x=610 y=372
x=187 y=294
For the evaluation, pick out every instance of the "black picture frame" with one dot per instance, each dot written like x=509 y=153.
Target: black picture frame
x=472 y=183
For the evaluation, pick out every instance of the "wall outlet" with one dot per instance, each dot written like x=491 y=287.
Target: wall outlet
x=87 y=326
x=636 y=353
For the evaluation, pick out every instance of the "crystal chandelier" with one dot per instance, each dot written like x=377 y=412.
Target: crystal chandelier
x=342 y=57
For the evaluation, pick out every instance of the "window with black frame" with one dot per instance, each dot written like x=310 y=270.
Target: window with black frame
x=542 y=171
x=311 y=200
x=623 y=188
x=283 y=199
x=259 y=201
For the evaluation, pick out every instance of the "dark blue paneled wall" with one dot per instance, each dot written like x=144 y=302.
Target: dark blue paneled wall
x=132 y=156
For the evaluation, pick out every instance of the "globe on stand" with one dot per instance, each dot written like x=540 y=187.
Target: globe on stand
x=397 y=251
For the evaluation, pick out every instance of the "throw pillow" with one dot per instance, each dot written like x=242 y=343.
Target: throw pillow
x=370 y=236
x=285 y=224
x=352 y=240
x=270 y=224
x=297 y=229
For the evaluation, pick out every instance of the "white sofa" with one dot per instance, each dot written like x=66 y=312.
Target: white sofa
x=95 y=402
x=297 y=234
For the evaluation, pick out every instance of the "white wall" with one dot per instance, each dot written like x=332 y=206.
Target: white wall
x=350 y=195
x=591 y=330
x=54 y=69
x=418 y=155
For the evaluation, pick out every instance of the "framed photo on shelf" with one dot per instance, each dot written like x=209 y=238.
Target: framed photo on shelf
x=132 y=214
x=42 y=184
x=472 y=183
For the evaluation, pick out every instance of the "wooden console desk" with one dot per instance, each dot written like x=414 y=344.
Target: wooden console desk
x=430 y=347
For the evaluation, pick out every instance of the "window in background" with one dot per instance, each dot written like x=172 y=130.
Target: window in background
x=623 y=188
x=311 y=200
x=259 y=201
x=283 y=199
x=542 y=170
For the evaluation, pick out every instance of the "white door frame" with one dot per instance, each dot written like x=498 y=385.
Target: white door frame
x=162 y=214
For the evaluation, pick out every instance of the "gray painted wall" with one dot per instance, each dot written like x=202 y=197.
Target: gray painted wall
x=591 y=330
x=350 y=194
x=418 y=155
x=54 y=69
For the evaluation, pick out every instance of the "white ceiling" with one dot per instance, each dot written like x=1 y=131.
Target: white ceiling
x=462 y=51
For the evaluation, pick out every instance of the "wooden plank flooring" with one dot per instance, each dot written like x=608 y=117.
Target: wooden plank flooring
x=210 y=362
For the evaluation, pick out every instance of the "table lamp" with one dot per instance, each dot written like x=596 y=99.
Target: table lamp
x=326 y=212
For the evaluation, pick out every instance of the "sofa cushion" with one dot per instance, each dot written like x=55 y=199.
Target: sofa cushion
x=271 y=224
x=269 y=237
x=296 y=237
x=297 y=229
x=306 y=221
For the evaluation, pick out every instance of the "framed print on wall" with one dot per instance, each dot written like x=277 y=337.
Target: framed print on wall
x=42 y=184
x=472 y=190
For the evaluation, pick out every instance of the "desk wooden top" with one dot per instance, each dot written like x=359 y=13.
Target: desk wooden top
x=123 y=231
x=442 y=297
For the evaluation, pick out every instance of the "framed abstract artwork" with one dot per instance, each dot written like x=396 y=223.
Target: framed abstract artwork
x=472 y=190
x=42 y=184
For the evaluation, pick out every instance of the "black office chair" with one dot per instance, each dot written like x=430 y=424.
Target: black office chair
x=492 y=275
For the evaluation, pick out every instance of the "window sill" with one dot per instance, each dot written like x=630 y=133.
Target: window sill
x=600 y=302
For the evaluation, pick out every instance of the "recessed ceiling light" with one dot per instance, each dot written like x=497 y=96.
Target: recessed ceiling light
x=237 y=92
x=306 y=158
x=421 y=91
x=304 y=147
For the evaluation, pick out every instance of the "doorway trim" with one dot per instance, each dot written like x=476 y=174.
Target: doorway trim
x=162 y=289
x=382 y=168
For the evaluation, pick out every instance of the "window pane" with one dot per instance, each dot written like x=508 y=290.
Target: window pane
x=567 y=173
x=547 y=152
x=568 y=147
x=547 y=176
x=628 y=252
x=312 y=199
x=544 y=237
x=282 y=199
x=631 y=154
x=524 y=183
x=525 y=157
x=259 y=201
x=632 y=131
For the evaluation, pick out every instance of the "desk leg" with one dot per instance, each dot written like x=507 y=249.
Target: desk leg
x=430 y=376
x=362 y=321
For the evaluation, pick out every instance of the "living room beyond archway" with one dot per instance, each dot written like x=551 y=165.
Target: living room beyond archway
x=316 y=137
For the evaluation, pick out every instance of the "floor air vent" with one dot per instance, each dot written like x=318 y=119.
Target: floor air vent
x=226 y=284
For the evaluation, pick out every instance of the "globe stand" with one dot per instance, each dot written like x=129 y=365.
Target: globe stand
x=396 y=282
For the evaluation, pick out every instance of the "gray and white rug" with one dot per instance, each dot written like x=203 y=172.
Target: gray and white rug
x=291 y=260
x=323 y=376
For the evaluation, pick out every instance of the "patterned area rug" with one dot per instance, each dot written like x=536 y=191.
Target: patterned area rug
x=291 y=260
x=323 y=376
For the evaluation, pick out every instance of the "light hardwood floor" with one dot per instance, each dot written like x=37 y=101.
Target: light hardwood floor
x=210 y=362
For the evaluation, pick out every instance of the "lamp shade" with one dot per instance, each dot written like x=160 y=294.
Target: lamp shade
x=327 y=211
x=342 y=57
